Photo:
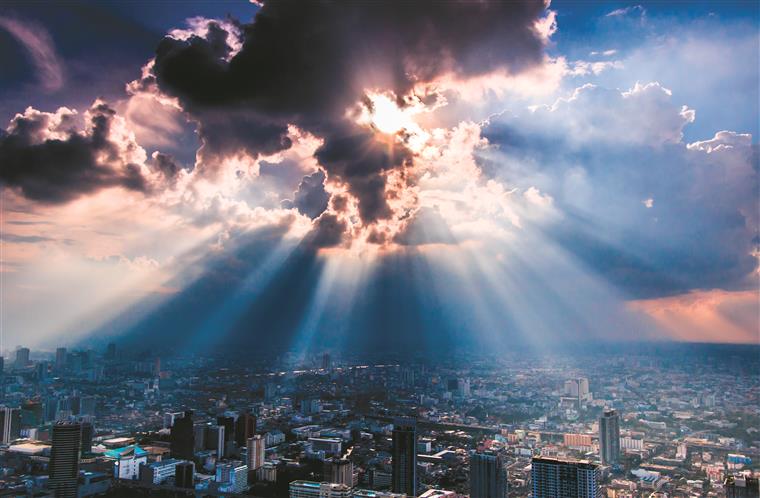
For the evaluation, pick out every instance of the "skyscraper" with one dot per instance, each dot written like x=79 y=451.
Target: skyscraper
x=555 y=478
x=245 y=428
x=215 y=439
x=340 y=471
x=229 y=427
x=182 y=437
x=184 y=474
x=64 y=460
x=22 y=357
x=255 y=448
x=10 y=423
x=609 y=437
x=404 y=475
x=60 y=358
x=87 y=434
x=488 y=476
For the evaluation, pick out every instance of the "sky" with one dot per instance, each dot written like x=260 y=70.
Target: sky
x=370 y=176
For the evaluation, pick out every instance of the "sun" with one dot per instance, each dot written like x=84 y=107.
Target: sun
x=381 y=112
x=386 y=116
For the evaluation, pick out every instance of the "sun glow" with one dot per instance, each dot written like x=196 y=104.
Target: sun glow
x=386 y=115
x=383 y=114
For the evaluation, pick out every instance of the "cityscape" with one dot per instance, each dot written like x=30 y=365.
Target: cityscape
x=631 y=421
x=380 y=248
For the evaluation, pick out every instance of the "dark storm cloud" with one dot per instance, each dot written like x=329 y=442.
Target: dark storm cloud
x=311 y=198
x=327 y=232
x=228 y=133
x=166 y=164
x=354 y=155
x=305 y=63
x=47 y=168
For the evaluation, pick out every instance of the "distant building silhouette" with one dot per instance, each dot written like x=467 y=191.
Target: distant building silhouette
x=245 y=428
x=60 y=358
x=404 y=470
x=22 y=357
x=229 y=427
x=609 y=437
x=87 y=434
x=182 y=437
x=111 y=351
x=184 y=475
x=64 y=460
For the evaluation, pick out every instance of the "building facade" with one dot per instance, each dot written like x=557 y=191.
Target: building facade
x=556 y=478
x=609 y=437
x=404 y=468
x=488 y=476
x=64 y=460
x=255 y=448
x=182 y=437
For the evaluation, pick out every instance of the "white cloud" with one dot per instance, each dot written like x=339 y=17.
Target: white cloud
x=633 y=9
x=644 y=114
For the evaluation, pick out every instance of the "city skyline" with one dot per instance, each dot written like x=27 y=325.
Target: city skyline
x=368 y=176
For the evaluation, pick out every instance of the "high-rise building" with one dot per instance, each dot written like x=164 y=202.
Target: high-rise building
x=245 y=428
x=340 y=471
x=60 y=358
x=488 y=475
x=200 y=434
x=10 y=423
x=22 y=357
x=404 y=470
x=578 y=388
x=51 y=409
x=609 y=437
x=555 y=478
x=64 y=460
x=111 y=351
x=182 y=437
x=229 y=427
x=87 y=405
x=87 y=433
x=255 y=448
x=326 y=363
x=184 y=475
x=215 y=439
